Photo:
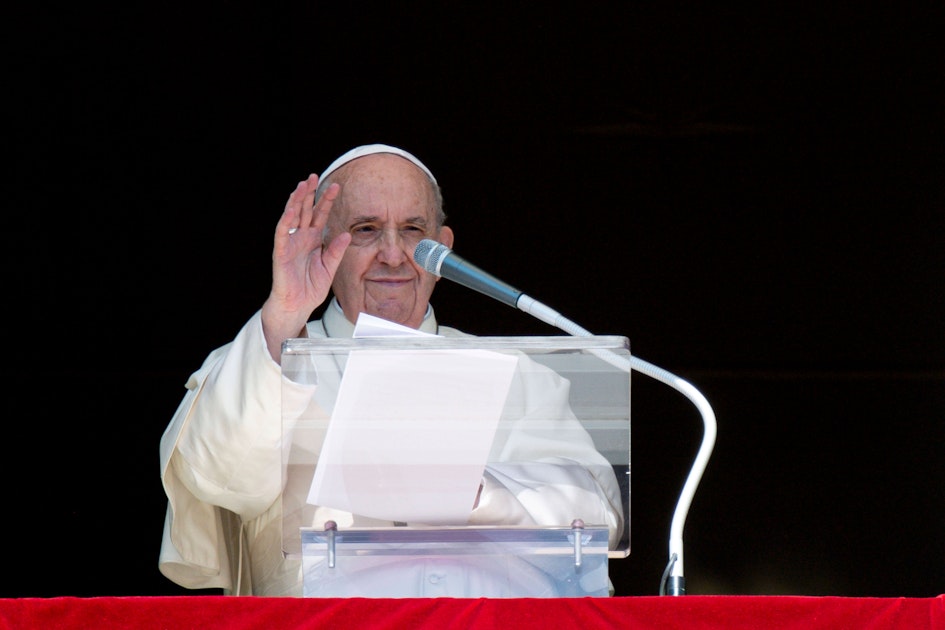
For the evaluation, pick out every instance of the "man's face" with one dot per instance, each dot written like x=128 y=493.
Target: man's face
x=387 y=205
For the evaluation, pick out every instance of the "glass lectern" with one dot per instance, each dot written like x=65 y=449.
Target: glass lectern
x=456 y=466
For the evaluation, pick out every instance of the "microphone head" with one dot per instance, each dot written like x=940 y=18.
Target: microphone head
x=429 y=254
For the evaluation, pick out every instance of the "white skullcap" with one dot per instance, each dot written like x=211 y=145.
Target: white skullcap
x=370 y=149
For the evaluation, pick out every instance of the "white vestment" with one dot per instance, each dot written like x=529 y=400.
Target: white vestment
x=221 y=466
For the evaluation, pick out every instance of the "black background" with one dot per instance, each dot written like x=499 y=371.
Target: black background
x=754 y=196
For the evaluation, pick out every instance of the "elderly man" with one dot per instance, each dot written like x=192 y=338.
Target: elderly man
x=350 y=233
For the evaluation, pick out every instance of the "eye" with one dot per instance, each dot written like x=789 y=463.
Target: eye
x=363 y=234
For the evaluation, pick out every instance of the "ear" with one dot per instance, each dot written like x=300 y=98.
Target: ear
x=446 y=236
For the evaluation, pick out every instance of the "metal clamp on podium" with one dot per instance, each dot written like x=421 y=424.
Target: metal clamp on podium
x=456 y=561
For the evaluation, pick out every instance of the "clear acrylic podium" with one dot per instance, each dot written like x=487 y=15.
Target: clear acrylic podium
x=554 y=475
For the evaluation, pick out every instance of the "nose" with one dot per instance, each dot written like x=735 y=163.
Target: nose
x=393 y=248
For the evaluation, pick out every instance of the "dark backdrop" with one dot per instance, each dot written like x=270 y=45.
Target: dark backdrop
x=753 y=196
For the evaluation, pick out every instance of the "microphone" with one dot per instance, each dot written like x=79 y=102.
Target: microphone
x=440 y=260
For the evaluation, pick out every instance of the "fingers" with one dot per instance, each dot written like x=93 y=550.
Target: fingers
x=307 y=193
x=334 y=252
x=322 y=209
x=293 y=216
x=301 y=211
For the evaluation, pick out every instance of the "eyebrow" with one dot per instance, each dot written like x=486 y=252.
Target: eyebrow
x=373 y=218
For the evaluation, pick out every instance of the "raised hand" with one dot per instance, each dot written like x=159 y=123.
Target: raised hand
x=303 y=266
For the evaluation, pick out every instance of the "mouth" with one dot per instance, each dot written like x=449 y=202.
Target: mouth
x=390 y=282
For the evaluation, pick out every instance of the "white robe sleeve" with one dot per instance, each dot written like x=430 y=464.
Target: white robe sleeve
x=544 y=469
x=221 y=456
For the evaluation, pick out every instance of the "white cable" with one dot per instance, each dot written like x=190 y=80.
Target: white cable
x=675 y=566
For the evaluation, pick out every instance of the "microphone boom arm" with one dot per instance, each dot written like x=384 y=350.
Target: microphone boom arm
x=440 y=260
x=674 y=568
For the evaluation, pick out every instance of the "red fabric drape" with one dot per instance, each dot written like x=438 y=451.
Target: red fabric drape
x=691 y=612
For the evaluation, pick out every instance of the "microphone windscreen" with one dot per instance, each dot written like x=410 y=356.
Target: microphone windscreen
x=428 y=254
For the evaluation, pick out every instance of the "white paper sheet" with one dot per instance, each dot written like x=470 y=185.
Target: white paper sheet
x=410 y=433
x=371 y=326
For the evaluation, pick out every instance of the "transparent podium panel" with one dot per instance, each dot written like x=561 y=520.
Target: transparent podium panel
x=456 y=562
x=473 y=454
